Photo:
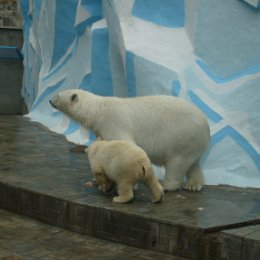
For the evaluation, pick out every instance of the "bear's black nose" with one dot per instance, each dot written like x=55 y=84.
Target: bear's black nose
x=52 y=104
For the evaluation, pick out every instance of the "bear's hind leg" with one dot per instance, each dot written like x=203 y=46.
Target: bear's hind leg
x=175 y=170
x=195 y=178
x=125 y=192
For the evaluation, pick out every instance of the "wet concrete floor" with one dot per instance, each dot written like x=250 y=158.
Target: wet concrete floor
x=41 y=178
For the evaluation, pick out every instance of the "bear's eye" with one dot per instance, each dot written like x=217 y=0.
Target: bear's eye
x=73 y=97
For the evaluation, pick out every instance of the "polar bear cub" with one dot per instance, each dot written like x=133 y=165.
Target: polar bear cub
x=173 y=132
x=124 y=164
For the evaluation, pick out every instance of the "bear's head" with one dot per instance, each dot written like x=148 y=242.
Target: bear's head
x=104 y=184
x=67 y=101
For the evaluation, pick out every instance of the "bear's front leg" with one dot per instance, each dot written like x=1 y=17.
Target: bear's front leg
x=125 y=192
x=155 y=187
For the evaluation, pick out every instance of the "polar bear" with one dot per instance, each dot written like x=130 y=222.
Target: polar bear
x=124 y=164
x=173 y=132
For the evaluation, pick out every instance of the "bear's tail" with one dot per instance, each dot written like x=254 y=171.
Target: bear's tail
x=152 y=183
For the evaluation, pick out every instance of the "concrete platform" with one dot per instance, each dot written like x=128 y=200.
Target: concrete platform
x=22 y=238
x=42 y=179
x=240 y=243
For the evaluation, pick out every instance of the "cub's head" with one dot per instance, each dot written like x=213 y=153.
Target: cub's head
x=94 y=149
x=67 y=101
x=104 y=184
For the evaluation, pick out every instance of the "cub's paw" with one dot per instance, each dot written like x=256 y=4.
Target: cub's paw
x=120 y=199
x=158 y=199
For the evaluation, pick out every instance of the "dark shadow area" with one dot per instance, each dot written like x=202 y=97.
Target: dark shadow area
x=11 y=72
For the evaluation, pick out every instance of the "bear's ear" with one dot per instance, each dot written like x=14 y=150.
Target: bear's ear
x=74 y=97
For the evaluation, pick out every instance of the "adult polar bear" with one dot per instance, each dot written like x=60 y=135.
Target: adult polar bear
x=173 y=132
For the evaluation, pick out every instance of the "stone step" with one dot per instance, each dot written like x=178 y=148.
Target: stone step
x=23 y=238
x=42 y=179
x=240 y=243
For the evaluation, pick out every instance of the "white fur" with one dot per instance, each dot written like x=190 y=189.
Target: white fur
x=124 y=164
x=173 y=132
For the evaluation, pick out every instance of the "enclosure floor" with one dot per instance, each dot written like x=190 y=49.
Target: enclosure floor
x=40 y=177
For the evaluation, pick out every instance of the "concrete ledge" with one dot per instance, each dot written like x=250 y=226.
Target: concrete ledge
x=42 y=179
x=24 y=238
x=241 y=243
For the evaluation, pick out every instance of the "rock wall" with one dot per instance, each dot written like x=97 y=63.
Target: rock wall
x=207 y=52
